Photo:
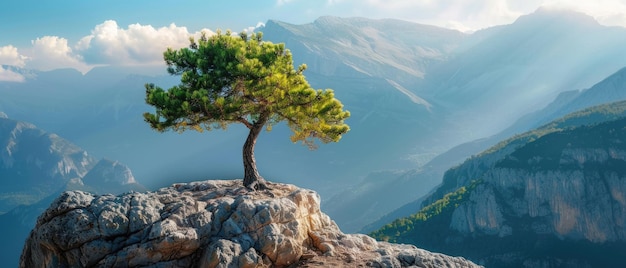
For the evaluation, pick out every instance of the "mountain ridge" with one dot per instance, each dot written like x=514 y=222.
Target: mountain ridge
x=35 y=167
x=519 y=202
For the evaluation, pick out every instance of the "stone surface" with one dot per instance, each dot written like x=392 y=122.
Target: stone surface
x=207 y=224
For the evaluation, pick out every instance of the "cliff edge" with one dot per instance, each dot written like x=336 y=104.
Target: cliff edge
x=207 y=224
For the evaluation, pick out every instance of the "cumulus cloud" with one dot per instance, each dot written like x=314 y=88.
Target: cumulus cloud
x=53 y=52
x=7 y=75
x=108 y=44
x=137 y=44
x=253 y=29
x=10 y=56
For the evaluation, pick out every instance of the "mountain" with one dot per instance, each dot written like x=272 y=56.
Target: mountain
x=108 y=176
x=207 y=224
x=35 y=167
x=414 y=91
x=519 y=68
x=475 y=86
x=551 y=197
x=35 y=164
x=358 y=47
x=608 y=90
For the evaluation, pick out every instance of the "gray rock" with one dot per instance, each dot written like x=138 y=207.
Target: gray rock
x=207 y=224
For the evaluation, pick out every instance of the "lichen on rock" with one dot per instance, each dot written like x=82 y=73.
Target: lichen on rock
x=207 y=224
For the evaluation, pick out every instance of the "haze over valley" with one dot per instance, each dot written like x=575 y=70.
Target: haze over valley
x=428 y=104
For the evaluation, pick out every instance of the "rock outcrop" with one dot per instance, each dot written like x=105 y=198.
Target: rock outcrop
x=558 y=200
x=207 y=224
x=35 y=167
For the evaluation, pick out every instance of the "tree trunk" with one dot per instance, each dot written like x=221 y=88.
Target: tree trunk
x=252 y=179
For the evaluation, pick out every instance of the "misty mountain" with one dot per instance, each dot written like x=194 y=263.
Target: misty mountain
x=551 y=197
x=356 y=207
x=608 y=90
x=521 y=67
x=413 y=90
x=358 y=47
x=35 y=164
x=35 y=167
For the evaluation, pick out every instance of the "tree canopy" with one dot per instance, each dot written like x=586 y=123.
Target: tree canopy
x=242 y=79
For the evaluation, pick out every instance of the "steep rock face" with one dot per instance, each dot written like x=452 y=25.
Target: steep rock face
x=207 y=224
x=569 y=204
x=571 y=184
x=558 y=200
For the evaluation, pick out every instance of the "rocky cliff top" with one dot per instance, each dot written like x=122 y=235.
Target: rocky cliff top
x=207 y=224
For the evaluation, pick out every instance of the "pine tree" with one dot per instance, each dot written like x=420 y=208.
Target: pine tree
x=242 y=79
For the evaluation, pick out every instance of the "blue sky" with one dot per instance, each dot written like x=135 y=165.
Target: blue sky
x=80 y=34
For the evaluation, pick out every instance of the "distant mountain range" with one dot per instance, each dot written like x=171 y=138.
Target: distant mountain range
x=414 y=91
x=35 y=167
x=551 y=197
x=410 y=186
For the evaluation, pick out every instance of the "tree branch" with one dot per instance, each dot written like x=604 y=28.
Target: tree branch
x=245 y=122
x=291 y=120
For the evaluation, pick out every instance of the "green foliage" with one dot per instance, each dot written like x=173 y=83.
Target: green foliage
x=475 y=166
x=601 y=128
x=403 y=228
x=546 y=153
x=241 y=79
x=589 y=116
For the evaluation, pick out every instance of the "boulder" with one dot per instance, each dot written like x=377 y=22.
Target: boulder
x=207 y=224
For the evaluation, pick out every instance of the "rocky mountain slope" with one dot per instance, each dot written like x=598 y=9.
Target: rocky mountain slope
x=35 y=166
x=207 y=224
x=610 y=89
x=553 y=197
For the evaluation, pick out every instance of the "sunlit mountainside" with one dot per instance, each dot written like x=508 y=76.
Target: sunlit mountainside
x=549 y=197
x=422 y=100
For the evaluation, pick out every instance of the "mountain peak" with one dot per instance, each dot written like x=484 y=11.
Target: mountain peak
x=107 y=176
x=558 y=15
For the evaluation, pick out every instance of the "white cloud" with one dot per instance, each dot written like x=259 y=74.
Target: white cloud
x=138 y=44
x=10 y=76
x=53 y=52
x=252 y=29
x=10 y=56
x=108 y=44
